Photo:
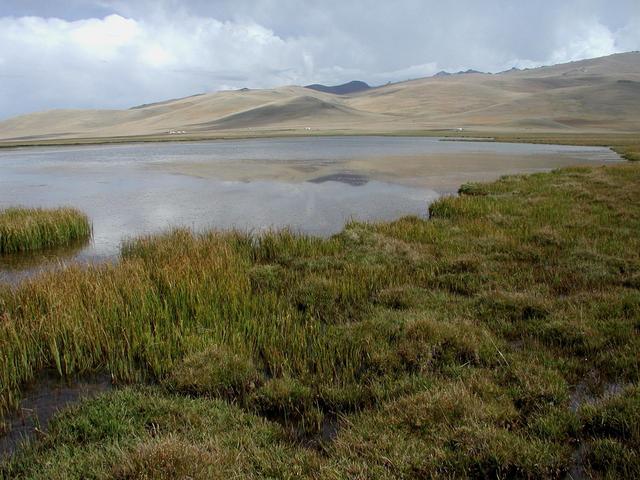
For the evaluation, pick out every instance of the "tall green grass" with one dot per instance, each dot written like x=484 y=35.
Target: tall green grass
x=29 y=229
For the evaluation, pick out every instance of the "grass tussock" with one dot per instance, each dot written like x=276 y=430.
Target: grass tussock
x=629 y=152
x=29 y=229
x=478 y=343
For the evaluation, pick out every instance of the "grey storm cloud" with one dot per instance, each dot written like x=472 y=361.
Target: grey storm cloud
x=114 y=54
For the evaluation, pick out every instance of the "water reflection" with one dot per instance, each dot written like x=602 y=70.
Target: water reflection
x=311 y=185
x=18 y=266
x=43 y=398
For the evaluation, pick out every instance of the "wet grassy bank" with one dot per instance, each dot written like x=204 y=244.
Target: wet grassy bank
x=32 y=229
x=498 y=338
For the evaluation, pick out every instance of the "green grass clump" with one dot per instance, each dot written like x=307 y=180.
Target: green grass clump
x=478 y=343
x=29 y=229
x=629 y=152
x=142 y=433
x=215 y=371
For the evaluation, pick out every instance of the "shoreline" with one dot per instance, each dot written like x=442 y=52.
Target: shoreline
x=601 y=139
x=437 y=171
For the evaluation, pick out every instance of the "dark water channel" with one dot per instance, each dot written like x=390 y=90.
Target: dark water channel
x=42 y=399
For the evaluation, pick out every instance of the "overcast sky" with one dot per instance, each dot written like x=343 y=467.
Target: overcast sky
x=114 y=54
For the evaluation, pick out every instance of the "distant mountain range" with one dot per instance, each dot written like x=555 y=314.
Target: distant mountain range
x=443 y=73
x=600 y=94
x=354 y=86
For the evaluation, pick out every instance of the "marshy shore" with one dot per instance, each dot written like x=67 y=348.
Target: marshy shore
x=34 y=229
x=497 y=338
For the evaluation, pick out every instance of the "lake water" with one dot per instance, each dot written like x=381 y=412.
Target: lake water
x=312 y=185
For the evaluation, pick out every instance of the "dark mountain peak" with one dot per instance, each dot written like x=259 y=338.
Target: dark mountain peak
x=344 y=89
x=512 y=69
x=465 y=72
x=444 y=73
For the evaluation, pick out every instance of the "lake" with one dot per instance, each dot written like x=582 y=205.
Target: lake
x=312 y=185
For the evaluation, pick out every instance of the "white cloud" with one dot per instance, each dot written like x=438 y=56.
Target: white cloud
x=410 y=72
x=118 y=62
x=588 y=39
x=628 y=37
x=95 y=36
x=152 y=50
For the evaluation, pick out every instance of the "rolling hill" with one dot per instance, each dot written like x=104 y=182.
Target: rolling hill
x=354 y=86
x=601 y=94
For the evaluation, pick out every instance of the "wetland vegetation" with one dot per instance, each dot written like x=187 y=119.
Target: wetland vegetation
x=32 y=229
x=498 y=338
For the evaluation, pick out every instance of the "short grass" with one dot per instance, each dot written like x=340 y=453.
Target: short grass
x=499 y=338
x=30 y=229
x=625 y=144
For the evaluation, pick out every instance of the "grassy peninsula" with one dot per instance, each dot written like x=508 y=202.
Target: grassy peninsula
x=31 y=229
x=499 y=338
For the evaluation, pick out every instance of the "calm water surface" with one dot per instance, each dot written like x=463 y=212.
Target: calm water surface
x=134 y=189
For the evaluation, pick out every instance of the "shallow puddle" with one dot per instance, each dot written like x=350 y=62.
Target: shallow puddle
x=47 y=395
x=15 y=267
